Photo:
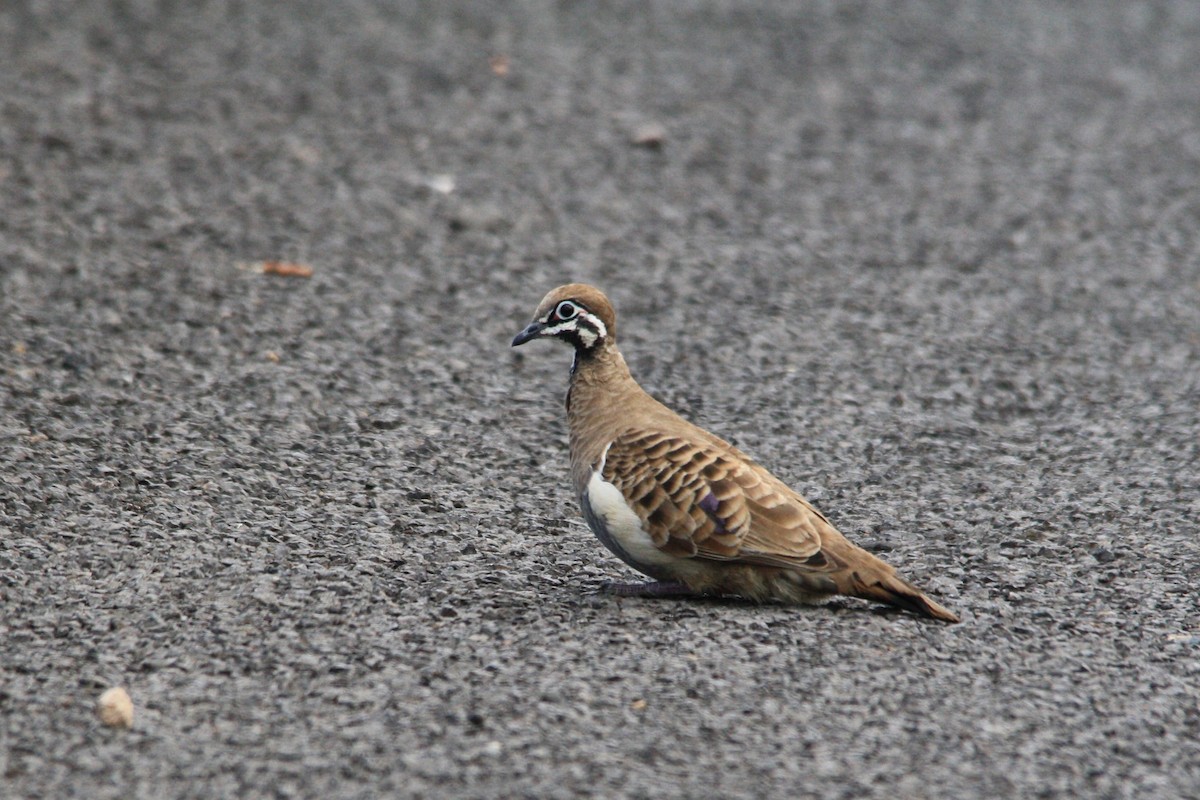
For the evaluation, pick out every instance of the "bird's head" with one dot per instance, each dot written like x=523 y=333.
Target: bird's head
x=577 y=314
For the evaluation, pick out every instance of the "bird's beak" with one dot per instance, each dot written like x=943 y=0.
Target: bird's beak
x=532 y=331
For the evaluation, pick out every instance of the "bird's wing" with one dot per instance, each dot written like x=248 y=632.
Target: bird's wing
x=699 y=500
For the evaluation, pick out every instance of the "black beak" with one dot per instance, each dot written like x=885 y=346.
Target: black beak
x=532 y=330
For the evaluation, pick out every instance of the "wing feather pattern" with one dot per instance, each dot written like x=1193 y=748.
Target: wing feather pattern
x=697 y=501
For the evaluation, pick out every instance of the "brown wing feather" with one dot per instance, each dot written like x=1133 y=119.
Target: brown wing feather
x=697 y=501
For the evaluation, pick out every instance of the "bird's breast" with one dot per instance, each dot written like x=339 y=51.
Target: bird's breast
x=618 y=526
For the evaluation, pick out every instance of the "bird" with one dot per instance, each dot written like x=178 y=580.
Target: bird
x=682 y=505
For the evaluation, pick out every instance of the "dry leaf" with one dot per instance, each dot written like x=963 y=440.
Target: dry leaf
x=286 y=269
x=638 y=705
x=499 y=65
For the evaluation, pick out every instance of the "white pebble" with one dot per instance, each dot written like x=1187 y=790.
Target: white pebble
x=115 y=708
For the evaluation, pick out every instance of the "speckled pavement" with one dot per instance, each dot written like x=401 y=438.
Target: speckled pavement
x=936 y=265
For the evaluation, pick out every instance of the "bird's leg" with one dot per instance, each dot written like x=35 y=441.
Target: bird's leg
x=649 y=589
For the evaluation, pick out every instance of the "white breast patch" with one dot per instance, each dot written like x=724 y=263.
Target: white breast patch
x=622 y=522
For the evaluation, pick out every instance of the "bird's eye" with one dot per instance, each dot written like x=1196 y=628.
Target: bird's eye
x=566 y=310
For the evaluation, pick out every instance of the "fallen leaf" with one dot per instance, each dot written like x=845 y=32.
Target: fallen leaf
x=286 y=269
x=638 y=705
x=499 y=65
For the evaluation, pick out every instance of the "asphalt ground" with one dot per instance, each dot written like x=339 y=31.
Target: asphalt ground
x=934 y=264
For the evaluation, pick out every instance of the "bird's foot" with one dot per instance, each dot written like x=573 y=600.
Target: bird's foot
x=649 y=589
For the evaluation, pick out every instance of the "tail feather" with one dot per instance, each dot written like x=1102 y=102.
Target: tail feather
x=896 y=592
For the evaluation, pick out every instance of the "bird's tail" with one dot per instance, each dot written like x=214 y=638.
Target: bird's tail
x=894 y=591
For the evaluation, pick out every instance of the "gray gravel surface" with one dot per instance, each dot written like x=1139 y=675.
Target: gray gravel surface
x=937 y=265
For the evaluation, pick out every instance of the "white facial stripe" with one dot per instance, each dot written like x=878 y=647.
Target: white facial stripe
x=601 y=331
x=569 y=325
x=593 y=331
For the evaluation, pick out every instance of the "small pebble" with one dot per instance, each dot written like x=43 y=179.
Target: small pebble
x=651 y=135
x=115 y=708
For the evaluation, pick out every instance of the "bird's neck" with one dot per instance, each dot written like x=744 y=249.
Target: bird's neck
x=599 y=381
x=600 y=399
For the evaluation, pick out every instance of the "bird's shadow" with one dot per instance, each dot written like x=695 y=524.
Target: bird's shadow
x=837 y=605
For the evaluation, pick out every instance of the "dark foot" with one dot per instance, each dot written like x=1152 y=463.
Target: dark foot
x=651 y=589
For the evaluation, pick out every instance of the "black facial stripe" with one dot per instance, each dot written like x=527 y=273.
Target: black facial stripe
x=584 y=335
x=585 y=322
